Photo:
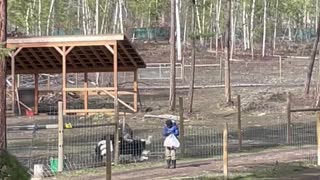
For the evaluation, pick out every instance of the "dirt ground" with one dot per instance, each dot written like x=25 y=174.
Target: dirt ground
x=241 y=163
x=263 y=101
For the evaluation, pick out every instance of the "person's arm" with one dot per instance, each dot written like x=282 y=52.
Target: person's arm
x=165 y=132
x=176 y=131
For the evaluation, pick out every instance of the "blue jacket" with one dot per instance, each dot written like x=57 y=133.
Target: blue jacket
x=173 y=130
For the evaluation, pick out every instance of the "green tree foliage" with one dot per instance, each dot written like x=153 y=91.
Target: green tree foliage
x=11 y=169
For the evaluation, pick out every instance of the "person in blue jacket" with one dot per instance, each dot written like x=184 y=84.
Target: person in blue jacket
x=170 y=152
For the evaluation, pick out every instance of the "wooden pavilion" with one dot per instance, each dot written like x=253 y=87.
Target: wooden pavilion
x=76 y=54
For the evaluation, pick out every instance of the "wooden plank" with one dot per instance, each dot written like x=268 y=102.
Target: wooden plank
x=69 y=49
x=64 y=77
x=59 y=50
x=85 y=85
x=67 y=39
x=85 y=54
x=116 y=105
x=98 y=56
x=225 y=151
x=181 y=120
x=108 y=159
x=128 y=54
x=70 y=70
x=75 y=53
x=60 y=137
x=112 y=51
x=35 y=55
x=36 y=93
x=289 y=133
x=305 y=110
x=239 y=121
x=13 y=87
x=88 y=110
x=135 y=90
x=318 y=138
x=119 y=100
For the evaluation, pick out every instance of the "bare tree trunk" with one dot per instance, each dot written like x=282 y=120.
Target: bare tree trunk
x=275 y=29
x=178 y=30
x=251 y=27
x=172 y=98
x=49 y=16
x=27 y=20
x=312 y=59
x=264 y=28
x=227 y=60
x=115 y=19
x=244 y=25
x=218 y=10
x=39 y=18
x=199 y=22
x=193 y=61
x=78 y=13
x=84 y=20
x=317 y=12
x=97 y=17
x=3 y=34
x=120 y=16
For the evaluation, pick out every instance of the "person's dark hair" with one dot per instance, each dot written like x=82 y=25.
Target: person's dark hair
x=169 y=123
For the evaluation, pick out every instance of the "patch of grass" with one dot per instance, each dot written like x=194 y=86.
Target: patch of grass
x=11 y=169
x=277 y=171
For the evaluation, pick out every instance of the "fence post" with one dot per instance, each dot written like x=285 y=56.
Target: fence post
x=60 y=137
x=181 y=127
x=288 y=118
x=108 y=159
x=239 y=121
x=116 y=135
x=318 y=138
x=225 y=151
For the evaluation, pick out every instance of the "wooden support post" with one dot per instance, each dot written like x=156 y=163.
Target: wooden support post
x=116 y=103
x=181 y=119
x=86 y=93
x=13 y=87
x=36 y=93
x=318 y=138
x=60 y=137
x=108 y=159
x=135 y=91
x=225 y=151
x=289 y=133
x=239 y=121
x=64 y=78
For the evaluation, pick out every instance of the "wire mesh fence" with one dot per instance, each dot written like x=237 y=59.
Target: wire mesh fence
x=38 y=143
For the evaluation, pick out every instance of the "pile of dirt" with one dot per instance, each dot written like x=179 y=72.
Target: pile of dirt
x=263 y=101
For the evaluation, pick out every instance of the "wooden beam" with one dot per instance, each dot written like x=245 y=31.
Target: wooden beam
x=128 y=54
x=135 y=90
x=59 y=50
x=88 y=110
x=118 y=55
x=35 y=55
x=64 y=76
x=119 y=100
x=115 y=102
x=56 y=44
x=13 y=87
x=70 y=70
x=98 y=56
x=69 y=49
x=85 y=85
x=36 y=93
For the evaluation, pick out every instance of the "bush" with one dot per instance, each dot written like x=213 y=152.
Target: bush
x=11 y=169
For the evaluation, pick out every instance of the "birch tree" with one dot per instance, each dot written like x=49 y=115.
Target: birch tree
x=264 y=28
x=251 y=27
x=172 y=98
